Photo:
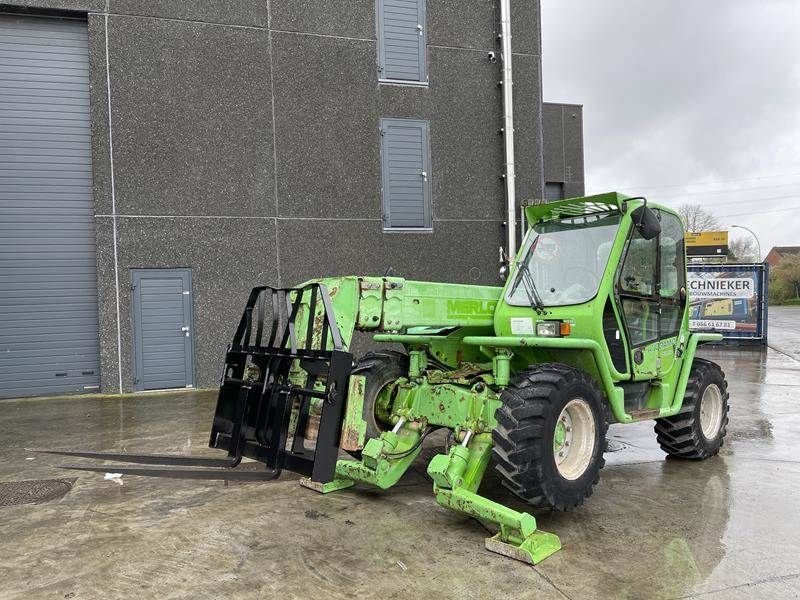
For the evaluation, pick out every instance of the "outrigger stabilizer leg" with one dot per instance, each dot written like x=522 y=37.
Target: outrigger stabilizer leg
x=456 y=478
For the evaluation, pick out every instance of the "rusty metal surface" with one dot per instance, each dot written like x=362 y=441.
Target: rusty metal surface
x=354 y=427
x=34 y=491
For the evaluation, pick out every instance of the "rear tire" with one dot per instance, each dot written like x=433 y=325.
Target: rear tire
x=550 y=436
x=379 y=369
x=698 y=431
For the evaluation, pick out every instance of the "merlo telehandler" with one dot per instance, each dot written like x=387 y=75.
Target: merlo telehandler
x=590 y=328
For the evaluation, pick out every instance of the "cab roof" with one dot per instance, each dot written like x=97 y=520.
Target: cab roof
x=585 y=205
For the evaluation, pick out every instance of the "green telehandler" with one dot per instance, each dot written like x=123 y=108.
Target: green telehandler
x=590 y=328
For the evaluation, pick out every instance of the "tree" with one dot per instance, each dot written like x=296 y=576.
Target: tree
x=779 y=292
x=697 y=218
x=785 y=280
x=743 y=249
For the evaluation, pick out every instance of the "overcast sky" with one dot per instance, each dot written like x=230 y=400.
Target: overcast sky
x=686 y=101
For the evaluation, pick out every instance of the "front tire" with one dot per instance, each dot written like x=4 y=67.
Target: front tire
x=550 y=436
x=380 y=371
x=698 y=431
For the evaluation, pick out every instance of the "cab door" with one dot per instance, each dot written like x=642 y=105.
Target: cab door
x=671 y=291
x=651 y=291
x=639 y=302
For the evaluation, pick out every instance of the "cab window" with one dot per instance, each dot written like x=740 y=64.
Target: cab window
x=672 y=290
x=637 y=284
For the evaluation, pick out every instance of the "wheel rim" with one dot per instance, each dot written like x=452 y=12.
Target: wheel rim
x=574 y=439
x=711 y=411
x=381 y=411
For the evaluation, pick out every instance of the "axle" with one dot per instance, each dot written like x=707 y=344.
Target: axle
x=465 y=402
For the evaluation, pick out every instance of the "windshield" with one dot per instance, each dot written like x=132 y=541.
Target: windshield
x=566 y=259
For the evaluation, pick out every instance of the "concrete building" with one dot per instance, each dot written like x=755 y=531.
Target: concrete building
x=562 y=126
x=160 y=158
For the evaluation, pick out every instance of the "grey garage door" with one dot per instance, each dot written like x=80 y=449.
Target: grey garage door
x=162 y=329
x=48 y=299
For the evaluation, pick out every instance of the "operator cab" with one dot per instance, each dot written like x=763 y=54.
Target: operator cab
x=624 y=254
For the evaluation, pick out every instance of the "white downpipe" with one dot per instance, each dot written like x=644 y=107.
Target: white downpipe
x=508 y=128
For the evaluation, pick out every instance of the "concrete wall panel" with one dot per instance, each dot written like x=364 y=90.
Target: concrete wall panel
x=462 y=252
x=465 y=140
x=462 y=24
x=68 y=5
x=326 y=127
x=562 y=132
x=553 y=136
x=243 y=252
x=345 y=18
x=191 y=118
x=527 y=127
x=573 y=149
x=98 y=85
x=232 y=12
x=526 y=26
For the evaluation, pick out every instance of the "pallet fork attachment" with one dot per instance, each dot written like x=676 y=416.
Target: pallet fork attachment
x=276 y=382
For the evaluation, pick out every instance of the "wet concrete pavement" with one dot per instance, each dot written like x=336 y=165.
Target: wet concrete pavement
x=728 y=527
x=784 y=330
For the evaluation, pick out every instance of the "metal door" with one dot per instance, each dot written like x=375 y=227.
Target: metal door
x=49 y=341
x=163 y=338
x=402 y=41
x=405 y=158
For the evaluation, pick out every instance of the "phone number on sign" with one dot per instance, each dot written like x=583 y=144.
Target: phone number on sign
x=711 y=324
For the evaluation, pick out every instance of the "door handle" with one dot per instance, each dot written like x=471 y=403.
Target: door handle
x=184 y=329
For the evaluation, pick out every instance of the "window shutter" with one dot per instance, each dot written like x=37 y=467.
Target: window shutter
x=402 y=40
x=405 y=164
x=553 y=191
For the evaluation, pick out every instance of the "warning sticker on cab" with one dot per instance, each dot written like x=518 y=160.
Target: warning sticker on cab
x=522 y=326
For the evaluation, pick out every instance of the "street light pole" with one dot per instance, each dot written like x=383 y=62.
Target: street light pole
x=758 y=243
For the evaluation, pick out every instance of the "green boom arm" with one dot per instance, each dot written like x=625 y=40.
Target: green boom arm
x=393 y=304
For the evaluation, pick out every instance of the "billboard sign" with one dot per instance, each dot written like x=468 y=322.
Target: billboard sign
x=728 y=299
x=722 y=287
x=707 y=243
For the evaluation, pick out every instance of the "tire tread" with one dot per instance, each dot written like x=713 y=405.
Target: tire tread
x=521 y=425
x=680 y=435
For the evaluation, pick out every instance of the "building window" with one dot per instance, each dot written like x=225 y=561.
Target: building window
x=405 y=169
x=402 y=41
x=553 y=191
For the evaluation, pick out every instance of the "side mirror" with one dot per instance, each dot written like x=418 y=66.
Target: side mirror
x=646 y=221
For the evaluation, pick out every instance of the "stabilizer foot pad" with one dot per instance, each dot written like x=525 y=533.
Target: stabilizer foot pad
x=536 y=547
x=325 y=488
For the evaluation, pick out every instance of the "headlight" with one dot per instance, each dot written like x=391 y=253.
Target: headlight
x=553 y=328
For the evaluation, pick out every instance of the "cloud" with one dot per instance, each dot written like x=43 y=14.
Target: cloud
x=682 y=99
